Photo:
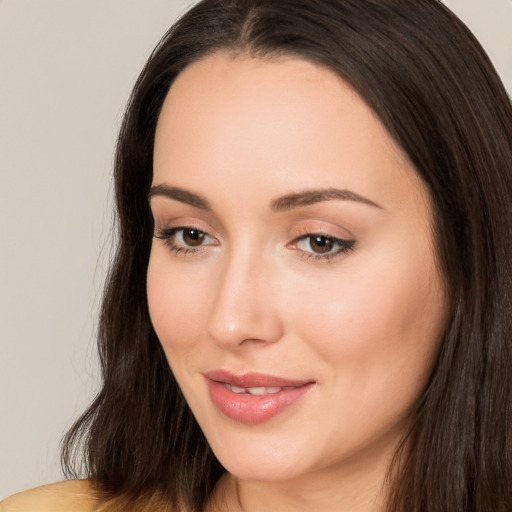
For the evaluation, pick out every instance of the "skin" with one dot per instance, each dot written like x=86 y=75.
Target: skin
x=364 y=325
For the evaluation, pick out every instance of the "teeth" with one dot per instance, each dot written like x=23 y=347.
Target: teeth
x=271 y=391
x=257 y=391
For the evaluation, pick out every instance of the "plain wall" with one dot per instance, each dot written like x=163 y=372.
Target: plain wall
x=66 y=70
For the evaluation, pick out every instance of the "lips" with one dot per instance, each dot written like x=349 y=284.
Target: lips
x=254 y=398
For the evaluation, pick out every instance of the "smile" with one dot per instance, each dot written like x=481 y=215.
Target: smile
x=254 y=398
x=257 y=391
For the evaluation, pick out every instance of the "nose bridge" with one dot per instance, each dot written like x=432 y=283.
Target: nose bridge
x=243 y=308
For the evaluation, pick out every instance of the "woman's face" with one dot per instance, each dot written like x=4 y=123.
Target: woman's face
x=292 y=280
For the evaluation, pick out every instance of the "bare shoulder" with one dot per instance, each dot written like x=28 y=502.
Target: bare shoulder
x=68 y=496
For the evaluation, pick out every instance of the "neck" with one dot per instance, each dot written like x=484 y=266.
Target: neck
x=319 y=492
x=360 y=490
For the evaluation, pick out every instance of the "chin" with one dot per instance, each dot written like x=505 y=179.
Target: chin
x=264 y=461
x=270 y=471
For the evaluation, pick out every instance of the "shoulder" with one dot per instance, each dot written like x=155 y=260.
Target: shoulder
x=68 y=496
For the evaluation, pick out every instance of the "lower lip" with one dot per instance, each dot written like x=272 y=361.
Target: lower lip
x=251 y=409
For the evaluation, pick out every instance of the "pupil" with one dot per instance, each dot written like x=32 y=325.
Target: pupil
x=193 y=237
x=321 y=244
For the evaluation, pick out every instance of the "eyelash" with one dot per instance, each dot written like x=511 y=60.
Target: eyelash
x=168 y=236
x=344 y=246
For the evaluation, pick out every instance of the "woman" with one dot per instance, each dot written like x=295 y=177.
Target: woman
x=309 y=307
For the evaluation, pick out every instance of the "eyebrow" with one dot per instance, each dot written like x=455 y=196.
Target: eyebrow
x=284 y=203
x=181 y=195
x=309 y=197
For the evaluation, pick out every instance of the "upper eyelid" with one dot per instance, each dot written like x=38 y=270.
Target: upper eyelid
x=335 y=239
x=324 y=222
x=207 y=220
x=161 y=208
x=302 y=233
x=176 y=225
x=320 y=232
x=166 y=233
x=169 y=220
x=176 y=229
x=344 y=246
x=325 y=233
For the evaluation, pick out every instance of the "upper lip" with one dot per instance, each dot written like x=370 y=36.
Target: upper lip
x=254 y=379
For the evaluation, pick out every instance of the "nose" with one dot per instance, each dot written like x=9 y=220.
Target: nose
x=244 y=309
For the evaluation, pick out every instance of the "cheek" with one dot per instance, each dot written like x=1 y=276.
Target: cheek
x=378 y=326
x=176 y=303
x=377 y=334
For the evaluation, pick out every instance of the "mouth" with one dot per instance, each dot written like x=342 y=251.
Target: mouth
x=252 y=397
x=256 y=391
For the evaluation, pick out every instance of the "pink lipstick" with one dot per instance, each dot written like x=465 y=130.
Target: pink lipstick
x=253 y=397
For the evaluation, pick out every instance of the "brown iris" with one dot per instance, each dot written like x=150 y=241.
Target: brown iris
x=320 y=244
x=193 y=237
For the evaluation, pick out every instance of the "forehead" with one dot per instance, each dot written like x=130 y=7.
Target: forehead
x=286 y=123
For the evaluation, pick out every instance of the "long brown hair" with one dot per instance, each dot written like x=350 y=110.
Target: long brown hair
x=435 y=90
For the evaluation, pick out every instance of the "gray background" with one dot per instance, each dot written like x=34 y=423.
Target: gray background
x=66 y=70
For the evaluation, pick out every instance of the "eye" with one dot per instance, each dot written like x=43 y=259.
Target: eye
x=320 y=246
x=185 y=239
x=191 y=237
